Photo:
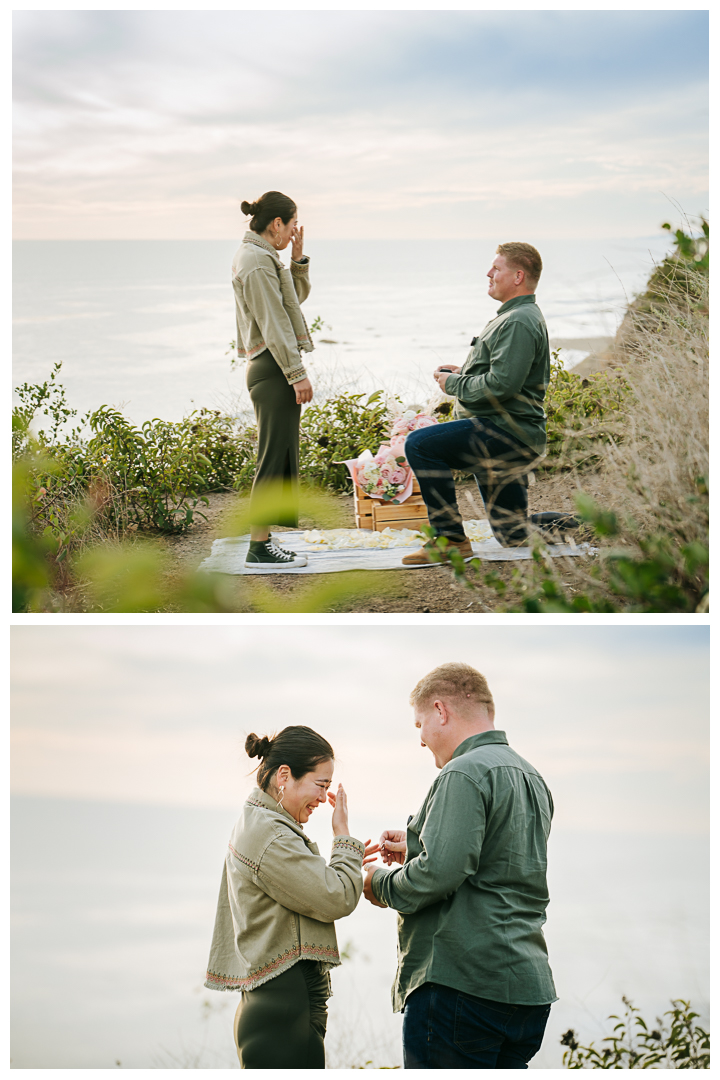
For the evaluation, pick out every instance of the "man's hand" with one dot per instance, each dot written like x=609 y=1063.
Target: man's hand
x=440 y=376
x=367 y=888
x=393 y=846
x=303 y=391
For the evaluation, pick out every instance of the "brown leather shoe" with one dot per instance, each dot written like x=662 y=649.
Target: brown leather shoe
x=422 y=557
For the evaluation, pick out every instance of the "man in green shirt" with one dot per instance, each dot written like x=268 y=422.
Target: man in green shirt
x=498 y=433
x=469 y=885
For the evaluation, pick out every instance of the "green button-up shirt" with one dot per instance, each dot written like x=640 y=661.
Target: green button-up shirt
x=472 y=892
x=507 y=373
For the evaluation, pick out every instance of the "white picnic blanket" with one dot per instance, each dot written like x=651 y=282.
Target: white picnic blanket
x=333 y=550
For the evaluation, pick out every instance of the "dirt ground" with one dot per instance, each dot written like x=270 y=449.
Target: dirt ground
x=429 y=589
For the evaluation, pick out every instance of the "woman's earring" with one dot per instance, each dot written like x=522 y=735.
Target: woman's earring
x=282 y=795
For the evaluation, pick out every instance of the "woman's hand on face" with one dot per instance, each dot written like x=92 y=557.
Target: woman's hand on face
x=338 y=802
x=303 y=391
x=298 y=236
x=393 y=846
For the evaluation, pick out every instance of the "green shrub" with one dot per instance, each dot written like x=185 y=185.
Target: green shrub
x=675 y=1041
x=682 y=270
x=337 y=430
x=581 y=413
x=163 y=470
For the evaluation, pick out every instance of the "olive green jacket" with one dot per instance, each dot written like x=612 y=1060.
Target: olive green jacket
x=279 y=898
x=267 y=305
x=507 y=373
x=472 y=892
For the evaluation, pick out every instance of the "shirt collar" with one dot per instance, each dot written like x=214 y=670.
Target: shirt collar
x=515 y=302
x=261 y=798
x=482 y=739
x=251 y=237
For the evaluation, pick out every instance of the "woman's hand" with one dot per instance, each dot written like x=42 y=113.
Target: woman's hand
x=370 y=850
x=338 y=802
x=298 y=236
x=393 y=846
x=303 y=391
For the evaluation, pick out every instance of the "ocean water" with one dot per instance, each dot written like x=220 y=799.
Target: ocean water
x=112 y=915
x=145 y=325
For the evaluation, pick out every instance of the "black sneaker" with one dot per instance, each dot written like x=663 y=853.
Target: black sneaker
x=285 y=551
x=265 y=555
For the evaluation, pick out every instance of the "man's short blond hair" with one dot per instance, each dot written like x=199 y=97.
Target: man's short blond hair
x=459 y=682
x=523 y=257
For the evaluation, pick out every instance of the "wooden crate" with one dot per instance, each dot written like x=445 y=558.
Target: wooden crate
x=378 y=515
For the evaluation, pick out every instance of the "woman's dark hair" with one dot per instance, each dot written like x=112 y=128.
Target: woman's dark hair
x=269 y=206
x=298 y=747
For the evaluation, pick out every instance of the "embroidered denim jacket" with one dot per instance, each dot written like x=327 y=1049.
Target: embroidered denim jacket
x=279 y=898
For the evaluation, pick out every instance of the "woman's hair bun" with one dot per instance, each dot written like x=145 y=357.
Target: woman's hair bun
x=248 y=207
x=255 y=747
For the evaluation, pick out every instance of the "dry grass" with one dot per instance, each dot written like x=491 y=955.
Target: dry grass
x=659 y=468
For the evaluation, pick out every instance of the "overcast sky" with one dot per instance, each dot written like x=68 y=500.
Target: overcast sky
x=615 y=718
x=407 y=124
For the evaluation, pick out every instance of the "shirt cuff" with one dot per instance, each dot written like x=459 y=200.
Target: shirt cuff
x=301 y=267
x=376 y=884
x=344 y=844
x=448 y=388
x=296 y=374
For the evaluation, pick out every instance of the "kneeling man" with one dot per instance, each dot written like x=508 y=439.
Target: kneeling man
x=499 y=433
x=470 y=888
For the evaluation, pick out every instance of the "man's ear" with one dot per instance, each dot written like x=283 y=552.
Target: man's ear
x=442 y=711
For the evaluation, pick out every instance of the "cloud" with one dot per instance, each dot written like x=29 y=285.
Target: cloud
x=159 y=714
x=163 y=121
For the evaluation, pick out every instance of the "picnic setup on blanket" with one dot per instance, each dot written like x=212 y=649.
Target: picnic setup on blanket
x=334 y=550
x=389 y=512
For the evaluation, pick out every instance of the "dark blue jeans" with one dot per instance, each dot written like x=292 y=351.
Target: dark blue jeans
x=446 y=1029
x=499 y=462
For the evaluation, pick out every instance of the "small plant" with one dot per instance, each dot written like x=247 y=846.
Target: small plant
x=49 y=400
x=676 y=1041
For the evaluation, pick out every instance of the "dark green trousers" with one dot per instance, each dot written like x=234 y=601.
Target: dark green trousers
x=281 y=1024
x=278 y=424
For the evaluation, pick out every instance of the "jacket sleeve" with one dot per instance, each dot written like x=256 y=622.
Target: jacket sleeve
x=299 y=880
x=511 y=357
x=451 y=839
x=301 y=278
x=261 y=291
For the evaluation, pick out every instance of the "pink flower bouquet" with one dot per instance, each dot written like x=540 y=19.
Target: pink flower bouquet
x=387 y=475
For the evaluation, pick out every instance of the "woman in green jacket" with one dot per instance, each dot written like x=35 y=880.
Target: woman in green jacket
x=278 y=903
x=271 y=335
